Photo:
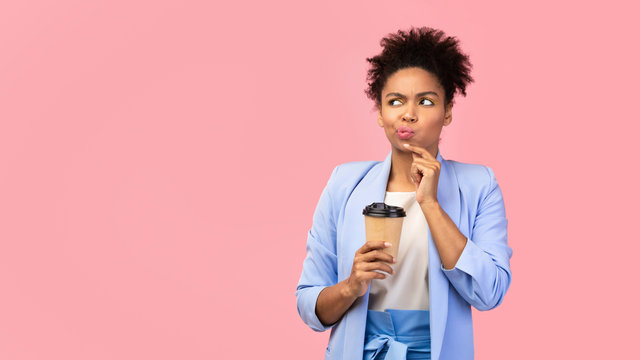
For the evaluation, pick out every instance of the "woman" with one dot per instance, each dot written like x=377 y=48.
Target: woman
x=453 y=250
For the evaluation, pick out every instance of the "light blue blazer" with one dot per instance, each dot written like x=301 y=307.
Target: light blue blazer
x=470 y=196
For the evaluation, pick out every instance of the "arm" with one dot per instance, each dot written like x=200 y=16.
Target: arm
x=481 y=273
x=448 y=239
x=322 y=301
x=333 y=302
x=320 y=267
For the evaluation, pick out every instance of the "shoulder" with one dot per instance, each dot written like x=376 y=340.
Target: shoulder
x=471 y=172
x=355 y=168
x=473 y=178
x=347 y=176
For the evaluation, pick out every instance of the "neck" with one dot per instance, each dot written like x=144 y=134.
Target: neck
x=399 y=174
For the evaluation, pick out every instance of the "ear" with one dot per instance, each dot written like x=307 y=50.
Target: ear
x=448 y=113
x=380 y=118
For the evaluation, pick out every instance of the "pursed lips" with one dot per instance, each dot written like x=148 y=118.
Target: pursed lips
x=404 y=129
x=405 y=132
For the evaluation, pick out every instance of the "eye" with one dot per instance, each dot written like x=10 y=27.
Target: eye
x=392 y=102
x=425 y=101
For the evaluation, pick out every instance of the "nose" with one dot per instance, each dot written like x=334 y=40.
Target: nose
x=410 y=116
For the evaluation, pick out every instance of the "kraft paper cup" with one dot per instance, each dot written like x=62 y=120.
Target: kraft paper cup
x=384 y=222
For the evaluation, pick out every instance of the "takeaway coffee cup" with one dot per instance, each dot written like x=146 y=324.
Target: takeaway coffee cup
x=384 y=222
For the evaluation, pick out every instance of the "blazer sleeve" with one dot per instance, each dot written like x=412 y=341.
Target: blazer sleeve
x=320 y=267
x=482 y=273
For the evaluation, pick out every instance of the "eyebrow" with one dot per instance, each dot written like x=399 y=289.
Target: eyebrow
x=417 y=95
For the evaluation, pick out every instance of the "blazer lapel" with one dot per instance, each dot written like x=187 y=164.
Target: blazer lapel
x=372 y=188
x=449 y=199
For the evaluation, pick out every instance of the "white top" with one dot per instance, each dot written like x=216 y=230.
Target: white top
x=408 y=288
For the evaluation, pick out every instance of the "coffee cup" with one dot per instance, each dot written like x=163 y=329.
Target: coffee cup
x=384 y=222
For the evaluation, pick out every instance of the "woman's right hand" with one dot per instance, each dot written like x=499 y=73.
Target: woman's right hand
x=368 y=258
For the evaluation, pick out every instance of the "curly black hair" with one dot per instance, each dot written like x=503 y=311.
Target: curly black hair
x=426 y=48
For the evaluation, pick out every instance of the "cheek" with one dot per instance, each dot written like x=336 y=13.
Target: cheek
x=389 y=112
x=433 y=117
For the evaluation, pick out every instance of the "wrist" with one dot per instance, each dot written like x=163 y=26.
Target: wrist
x=345 y=290
x=430 y=205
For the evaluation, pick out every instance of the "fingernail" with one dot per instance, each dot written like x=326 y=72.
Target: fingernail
x=386 y=244
x=405 y=145
x=394 y=260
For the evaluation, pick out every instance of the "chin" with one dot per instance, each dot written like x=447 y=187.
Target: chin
x=400 y=147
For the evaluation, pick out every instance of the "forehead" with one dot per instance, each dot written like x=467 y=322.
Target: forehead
x=412 y=80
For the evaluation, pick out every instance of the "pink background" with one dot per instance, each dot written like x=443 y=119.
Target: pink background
x=160 y=162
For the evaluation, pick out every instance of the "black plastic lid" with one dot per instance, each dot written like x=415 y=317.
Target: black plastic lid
x=379 y=209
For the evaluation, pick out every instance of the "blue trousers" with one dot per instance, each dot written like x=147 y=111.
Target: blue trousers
x=397 y=335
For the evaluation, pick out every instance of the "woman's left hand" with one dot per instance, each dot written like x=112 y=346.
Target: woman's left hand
x=425 y=172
